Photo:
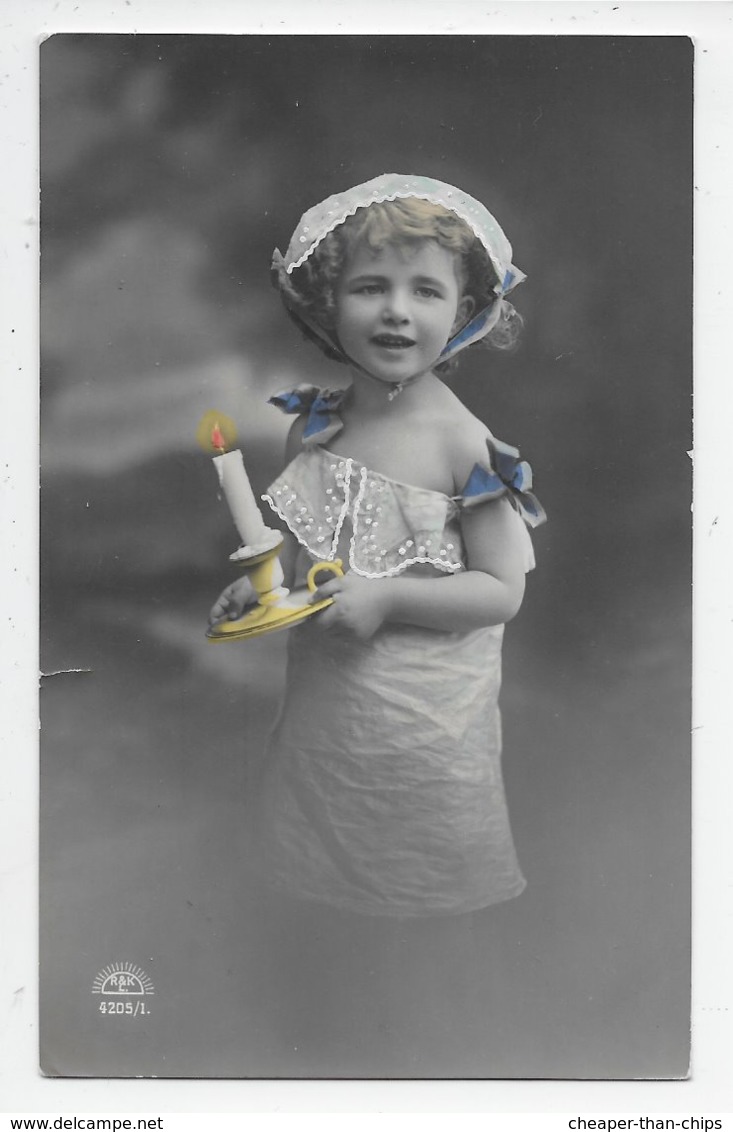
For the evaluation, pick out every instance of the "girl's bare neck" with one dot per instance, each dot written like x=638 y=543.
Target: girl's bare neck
x=369 y=396
x=403 y=439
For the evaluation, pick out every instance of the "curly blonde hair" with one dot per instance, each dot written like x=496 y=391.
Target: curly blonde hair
x=309 y=292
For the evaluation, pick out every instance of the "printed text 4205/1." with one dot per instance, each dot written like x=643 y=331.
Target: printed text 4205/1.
x=133 y=1008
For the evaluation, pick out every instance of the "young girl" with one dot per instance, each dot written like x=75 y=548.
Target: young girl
x=383 y=790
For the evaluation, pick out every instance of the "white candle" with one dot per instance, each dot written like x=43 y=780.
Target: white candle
x=238 y=492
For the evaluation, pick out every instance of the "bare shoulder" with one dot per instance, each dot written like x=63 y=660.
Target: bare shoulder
x=464 y=439
x=294 y=442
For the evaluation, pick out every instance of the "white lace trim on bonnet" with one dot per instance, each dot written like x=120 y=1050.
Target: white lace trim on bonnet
x=318 y=221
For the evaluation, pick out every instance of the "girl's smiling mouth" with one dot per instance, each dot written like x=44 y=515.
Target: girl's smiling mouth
x=393 y=341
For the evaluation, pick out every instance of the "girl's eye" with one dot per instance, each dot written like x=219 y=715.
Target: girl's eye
x=369 y=289
x=428 y=292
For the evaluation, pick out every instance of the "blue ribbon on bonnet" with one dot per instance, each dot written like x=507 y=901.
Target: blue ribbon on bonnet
x=508 y=475
x=480 y=325
x=321 y=405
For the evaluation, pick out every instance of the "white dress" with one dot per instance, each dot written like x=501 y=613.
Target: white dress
x=382 y=788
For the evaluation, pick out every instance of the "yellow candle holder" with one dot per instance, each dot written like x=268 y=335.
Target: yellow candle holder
x=277 y=607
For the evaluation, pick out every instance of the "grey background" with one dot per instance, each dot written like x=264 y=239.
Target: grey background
x=171 y=166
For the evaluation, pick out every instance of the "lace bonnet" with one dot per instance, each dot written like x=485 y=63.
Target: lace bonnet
x=318 y=221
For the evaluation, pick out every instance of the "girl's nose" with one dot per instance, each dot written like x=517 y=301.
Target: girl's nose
x=396 y=307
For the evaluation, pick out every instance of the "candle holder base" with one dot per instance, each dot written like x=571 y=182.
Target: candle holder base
x=277 y=608
x=268 y=618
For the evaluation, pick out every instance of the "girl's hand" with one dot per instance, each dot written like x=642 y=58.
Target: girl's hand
x=232 y=602
x=360 y=605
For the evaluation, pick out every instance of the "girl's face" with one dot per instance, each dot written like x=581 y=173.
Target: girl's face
x=397 y=308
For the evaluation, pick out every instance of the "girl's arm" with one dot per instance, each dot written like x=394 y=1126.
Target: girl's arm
x=489 y=592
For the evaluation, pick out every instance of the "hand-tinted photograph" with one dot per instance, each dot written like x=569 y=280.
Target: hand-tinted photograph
x=366 y=556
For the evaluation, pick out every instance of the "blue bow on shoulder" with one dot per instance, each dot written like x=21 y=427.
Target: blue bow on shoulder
x=506 y=474
x=297 y=400
x=321 y=405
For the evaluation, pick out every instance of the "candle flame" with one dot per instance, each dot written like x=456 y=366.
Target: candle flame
x=216 y=433
x=217 y=439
